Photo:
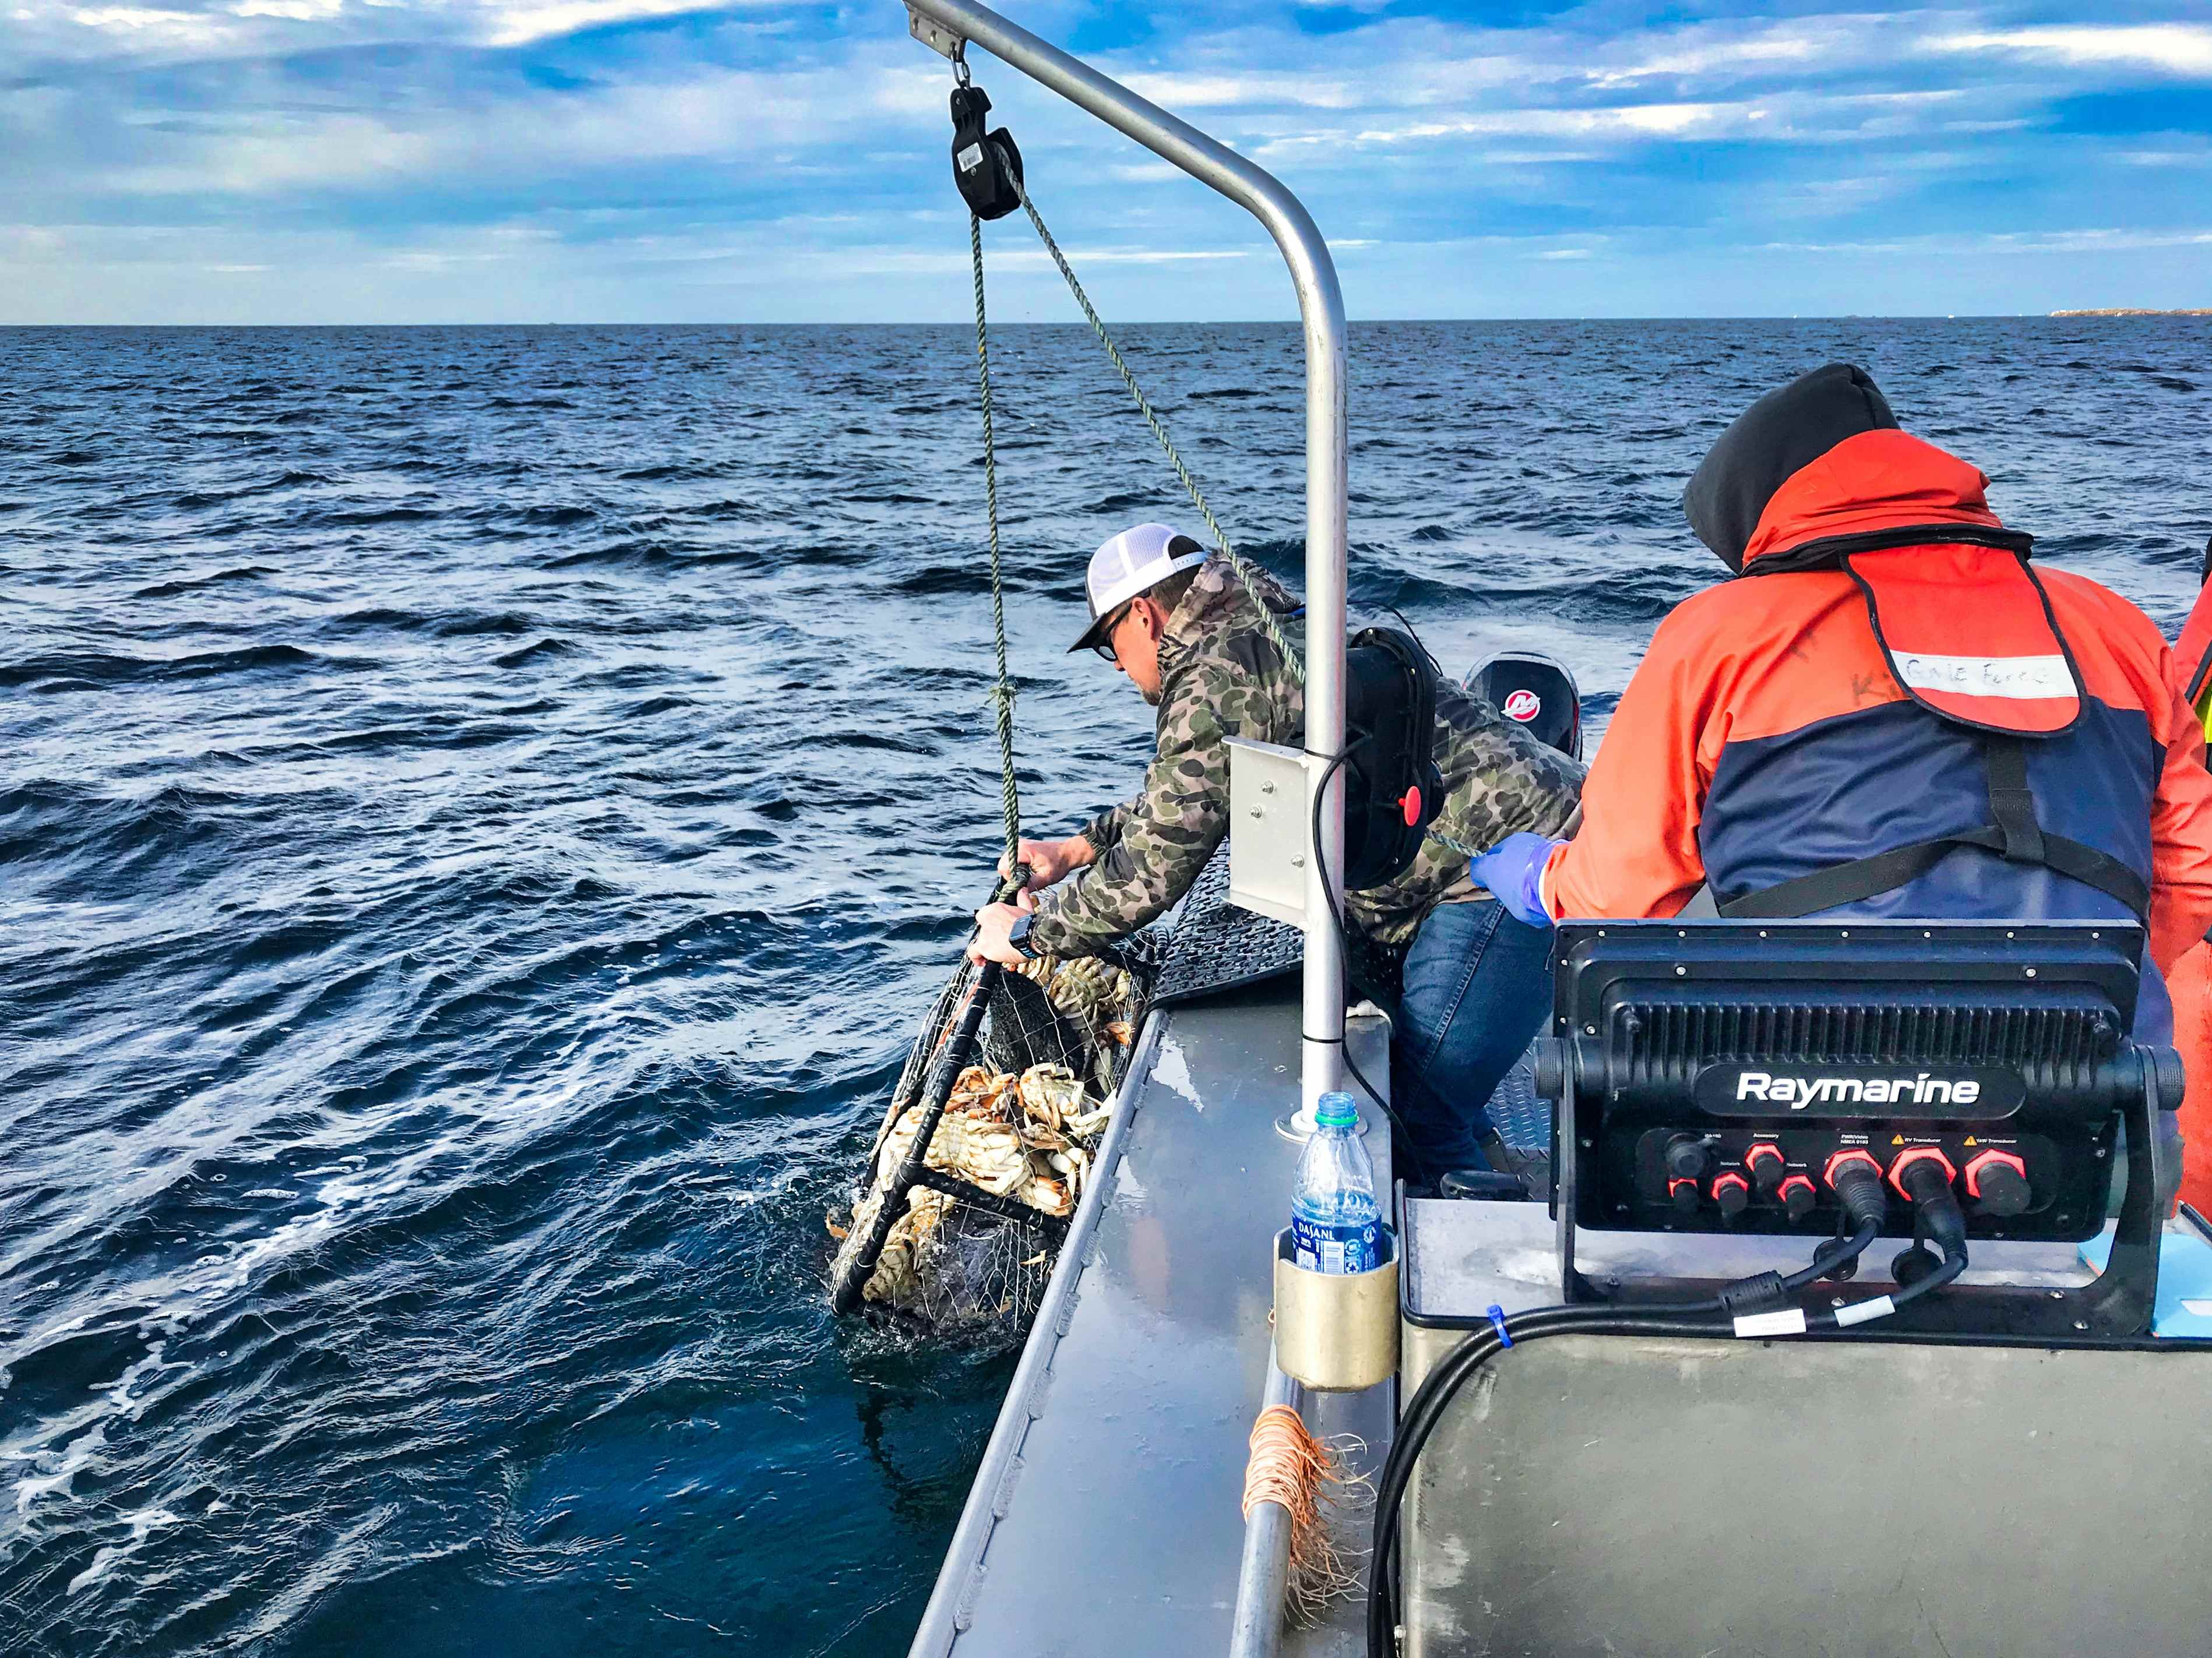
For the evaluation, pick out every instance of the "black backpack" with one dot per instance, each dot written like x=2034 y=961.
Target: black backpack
x=1393 y=790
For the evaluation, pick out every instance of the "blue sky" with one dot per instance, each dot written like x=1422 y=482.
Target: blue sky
x=400 y=160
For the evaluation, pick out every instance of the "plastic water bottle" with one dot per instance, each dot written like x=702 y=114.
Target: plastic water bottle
x=1336 y=1225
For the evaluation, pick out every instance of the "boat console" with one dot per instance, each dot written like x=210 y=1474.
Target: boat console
x=1756 y=1078
x=2009 y=1464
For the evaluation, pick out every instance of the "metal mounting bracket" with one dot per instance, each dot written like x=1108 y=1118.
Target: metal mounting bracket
x=934 y=35
x=1270 y=827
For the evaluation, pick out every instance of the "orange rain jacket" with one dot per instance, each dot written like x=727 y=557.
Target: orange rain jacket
x=2189 y=980
x=1765 y=735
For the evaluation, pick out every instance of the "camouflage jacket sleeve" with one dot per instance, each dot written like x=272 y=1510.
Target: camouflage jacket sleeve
x=1165 y=835
x=1104 y=831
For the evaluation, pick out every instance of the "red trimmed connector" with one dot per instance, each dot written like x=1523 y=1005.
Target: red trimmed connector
x=1732 y=1192
x=1849 y=1155
x=1797 y=1194
x=1984 y=1161
x=1913 y=1154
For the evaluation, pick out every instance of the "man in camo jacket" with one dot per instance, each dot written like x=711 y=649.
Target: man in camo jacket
x=1187 y=632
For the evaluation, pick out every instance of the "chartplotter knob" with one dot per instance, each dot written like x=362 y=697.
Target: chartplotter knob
x=1998 y=1181
x=1798 y=1197
x=1732 y=1193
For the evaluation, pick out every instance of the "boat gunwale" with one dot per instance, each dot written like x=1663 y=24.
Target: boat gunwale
x=941 y=1621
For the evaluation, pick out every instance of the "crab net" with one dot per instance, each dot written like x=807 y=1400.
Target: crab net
x=1022 y=1125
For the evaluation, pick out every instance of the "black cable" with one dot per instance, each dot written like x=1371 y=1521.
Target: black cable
x=1344 y=952
x=1443 y=1383
x=1426 y=1408
x=1938 y=1219
x=1416 y=1074
x=1824 y=1262
x=1951 y=1267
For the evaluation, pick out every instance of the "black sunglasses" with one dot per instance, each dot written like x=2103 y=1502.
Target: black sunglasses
x=1114 y=619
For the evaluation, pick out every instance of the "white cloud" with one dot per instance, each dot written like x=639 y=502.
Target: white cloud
x=702 y=140
x=1179 y=90
x=720 y=115
x=1799 y=119
x=297 y=11
x=2177 y=48
x=514 y=25
x=1697 y=53
x=152 y=25
x=894 y=261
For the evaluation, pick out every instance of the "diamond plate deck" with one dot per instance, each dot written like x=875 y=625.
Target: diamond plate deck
x=1218 y=946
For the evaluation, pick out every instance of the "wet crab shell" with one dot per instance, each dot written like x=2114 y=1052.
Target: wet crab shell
x=898 y=1268
x=980 y=1092
x=1084 y=1124
x=1050 y=1094
x=1038 y=969
x=1083 y=989
x=1046 y=1195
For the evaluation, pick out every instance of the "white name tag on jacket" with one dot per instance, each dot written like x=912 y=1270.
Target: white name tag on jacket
x=2022 y=677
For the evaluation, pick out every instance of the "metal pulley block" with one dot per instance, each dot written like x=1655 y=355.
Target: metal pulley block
x=991 y=188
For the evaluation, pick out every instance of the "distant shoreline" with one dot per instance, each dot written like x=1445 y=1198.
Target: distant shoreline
x=2133 y=311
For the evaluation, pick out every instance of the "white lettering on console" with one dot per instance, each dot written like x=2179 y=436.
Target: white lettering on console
x=1799 y=1092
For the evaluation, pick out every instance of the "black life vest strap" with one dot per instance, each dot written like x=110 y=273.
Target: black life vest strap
x=2012 y=802
x=2195 y=693
x=2015 y=835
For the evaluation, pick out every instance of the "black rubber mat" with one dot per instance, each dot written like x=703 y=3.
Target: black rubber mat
x=1217 y=946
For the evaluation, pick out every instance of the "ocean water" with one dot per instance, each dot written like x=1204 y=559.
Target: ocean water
x=482 y=810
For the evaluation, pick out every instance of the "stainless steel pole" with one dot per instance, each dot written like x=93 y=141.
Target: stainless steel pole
x=1321 y=304
x=1264 y=1576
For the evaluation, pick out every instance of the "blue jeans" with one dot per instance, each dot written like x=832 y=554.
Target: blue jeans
x=1477 y=989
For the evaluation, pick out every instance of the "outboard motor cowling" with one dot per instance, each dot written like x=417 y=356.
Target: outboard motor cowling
x=1534 y=690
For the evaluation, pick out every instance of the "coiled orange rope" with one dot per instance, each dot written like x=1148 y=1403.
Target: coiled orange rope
x=1288 y=1466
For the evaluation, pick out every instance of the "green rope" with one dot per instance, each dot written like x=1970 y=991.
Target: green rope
x=1245 y=571
x=1002 y=692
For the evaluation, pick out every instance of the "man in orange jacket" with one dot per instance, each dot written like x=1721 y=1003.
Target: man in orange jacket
x=2191 y=978
x=1892 y=712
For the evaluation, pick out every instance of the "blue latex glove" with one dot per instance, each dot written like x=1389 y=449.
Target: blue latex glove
x=1511 y=869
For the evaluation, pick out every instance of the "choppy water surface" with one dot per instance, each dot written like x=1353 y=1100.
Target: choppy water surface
x=481 y=809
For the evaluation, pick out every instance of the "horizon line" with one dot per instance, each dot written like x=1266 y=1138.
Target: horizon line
x=2102 y=313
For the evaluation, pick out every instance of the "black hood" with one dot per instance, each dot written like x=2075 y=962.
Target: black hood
x=1784 y=431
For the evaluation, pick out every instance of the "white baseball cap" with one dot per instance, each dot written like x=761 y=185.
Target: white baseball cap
x=1131 y=563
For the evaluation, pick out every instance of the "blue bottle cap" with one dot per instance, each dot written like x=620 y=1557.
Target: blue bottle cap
x=1336 y=1110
